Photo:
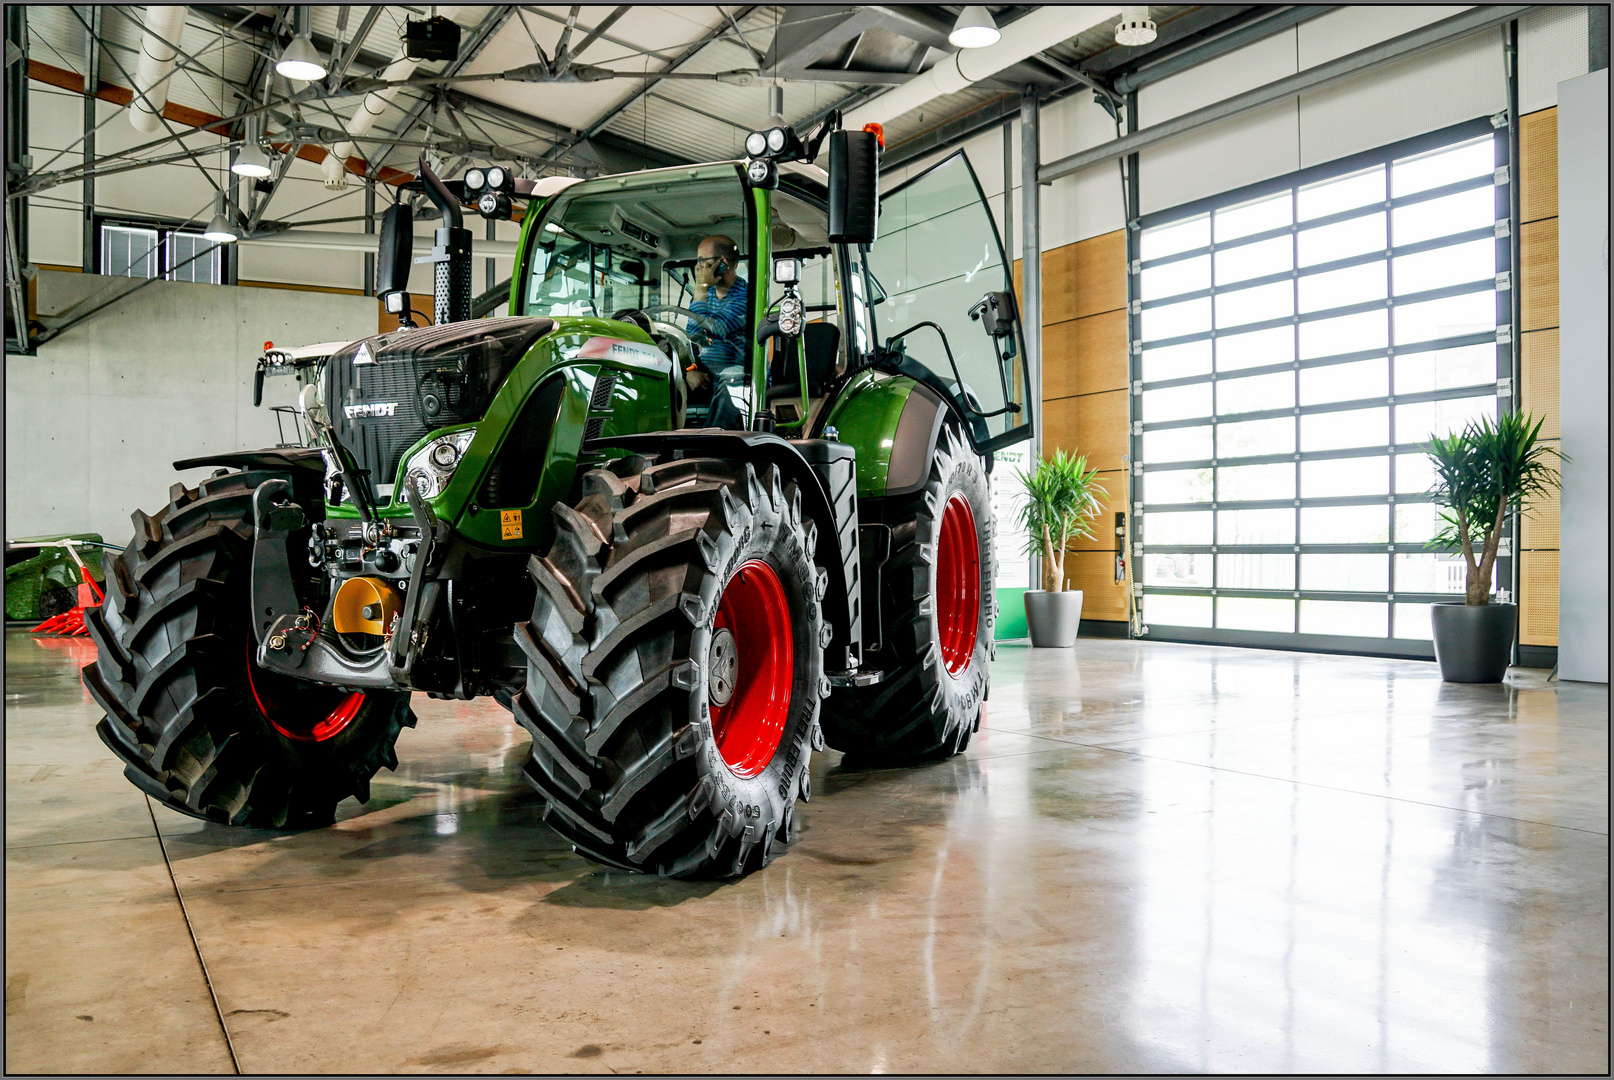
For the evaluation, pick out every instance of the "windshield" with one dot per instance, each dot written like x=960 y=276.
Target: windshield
x=936 y=260
x=631 y=242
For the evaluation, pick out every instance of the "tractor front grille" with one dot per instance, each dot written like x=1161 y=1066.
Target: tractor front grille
x=386 y=393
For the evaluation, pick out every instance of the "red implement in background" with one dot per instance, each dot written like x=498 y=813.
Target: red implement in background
x=71 y=622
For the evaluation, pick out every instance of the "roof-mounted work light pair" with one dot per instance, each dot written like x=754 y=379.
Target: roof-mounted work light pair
x=491 y=189
x=769 y=147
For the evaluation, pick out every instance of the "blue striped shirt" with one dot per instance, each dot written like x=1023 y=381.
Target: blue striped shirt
x=728 y=350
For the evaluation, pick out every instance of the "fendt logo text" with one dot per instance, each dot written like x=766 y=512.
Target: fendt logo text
x=370 y=408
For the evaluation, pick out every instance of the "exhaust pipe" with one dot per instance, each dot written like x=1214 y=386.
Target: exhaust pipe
x=451 y=253
x=163 y=24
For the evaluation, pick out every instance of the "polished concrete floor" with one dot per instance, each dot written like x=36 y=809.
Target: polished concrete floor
x=1153 y=858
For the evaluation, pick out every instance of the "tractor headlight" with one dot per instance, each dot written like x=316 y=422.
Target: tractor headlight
x=776 y=140
x=473 y=180
x=496 y=176
x=756 y=143
x=430 y=468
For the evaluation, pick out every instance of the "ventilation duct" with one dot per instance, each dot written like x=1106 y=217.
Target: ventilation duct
x=1042 y=28
x=334 y=168
x=163 y=24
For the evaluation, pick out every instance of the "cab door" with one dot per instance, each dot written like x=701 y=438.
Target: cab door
x=941 y=283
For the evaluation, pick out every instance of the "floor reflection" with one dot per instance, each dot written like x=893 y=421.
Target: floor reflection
x=1152 y=858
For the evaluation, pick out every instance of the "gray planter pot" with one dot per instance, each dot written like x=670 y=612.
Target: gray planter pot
x=1473 y=643
x=1053 y=617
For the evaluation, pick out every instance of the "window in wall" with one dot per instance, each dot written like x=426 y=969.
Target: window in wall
x=148 y=252
x=1292 y=345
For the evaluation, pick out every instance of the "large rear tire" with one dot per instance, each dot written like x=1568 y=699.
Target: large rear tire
x=199 y=726
x=675 y=666
x=937 y=612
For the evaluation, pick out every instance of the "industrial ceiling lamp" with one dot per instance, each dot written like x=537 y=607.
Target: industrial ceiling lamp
x=975 y=29
x=252 y=160
x=301 y=61
x=219 y=230
x=1135 y=27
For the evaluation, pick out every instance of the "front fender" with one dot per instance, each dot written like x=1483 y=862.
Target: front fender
x=820 y=470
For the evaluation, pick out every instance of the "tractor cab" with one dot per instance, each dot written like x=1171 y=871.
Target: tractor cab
x=930 y=298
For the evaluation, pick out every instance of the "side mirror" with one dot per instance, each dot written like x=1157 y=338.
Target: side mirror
x=995 y=312
x=854 y=187
x=396 y=251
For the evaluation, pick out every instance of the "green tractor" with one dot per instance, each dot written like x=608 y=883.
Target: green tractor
x=535 y=508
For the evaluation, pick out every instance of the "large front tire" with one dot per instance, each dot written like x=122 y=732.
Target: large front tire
x=936 y=613
x=199 y=726
x=675 y=666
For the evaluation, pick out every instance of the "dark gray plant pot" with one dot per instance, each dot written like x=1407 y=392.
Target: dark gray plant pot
x=1473 y=643
x=1053 y=617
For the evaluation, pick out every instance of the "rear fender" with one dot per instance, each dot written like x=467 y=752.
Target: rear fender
x=894 y=423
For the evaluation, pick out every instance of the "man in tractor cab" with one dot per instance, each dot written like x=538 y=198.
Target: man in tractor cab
x=722 y=363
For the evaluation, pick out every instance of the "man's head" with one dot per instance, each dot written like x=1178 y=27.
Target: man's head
x=718 y=261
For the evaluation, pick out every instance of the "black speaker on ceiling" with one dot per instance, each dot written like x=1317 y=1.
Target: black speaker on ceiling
x=436 y=38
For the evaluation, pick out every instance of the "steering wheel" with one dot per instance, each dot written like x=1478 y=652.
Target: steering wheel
x=685 y=351
x=705 y=322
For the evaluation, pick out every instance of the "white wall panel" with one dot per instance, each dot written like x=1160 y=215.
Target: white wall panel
x=1257 y=146
x=1444 y=86
x=1082 y=205
x=1552 y=48
x=54 y=235
x=1073 y=124
x=1243 y=69
x=1354 y=27
x=1583 y=376
x=95 y=420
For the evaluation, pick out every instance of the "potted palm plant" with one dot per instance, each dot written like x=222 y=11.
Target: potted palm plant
x=1062 y=499
x=1485 y=474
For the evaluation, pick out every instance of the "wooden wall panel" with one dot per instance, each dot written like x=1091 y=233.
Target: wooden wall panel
x=1084 y=356
x=1093 y=572
x=1539 y=529
x=1538 y=255
x=1084 y=278
x=1538 y=363
x=1539 y=394
x=1538 y=598
x=1103 y=526
x=1538 y=165
x=1094 y=425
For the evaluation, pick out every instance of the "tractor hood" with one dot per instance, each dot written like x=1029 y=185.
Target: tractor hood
x=386 y=393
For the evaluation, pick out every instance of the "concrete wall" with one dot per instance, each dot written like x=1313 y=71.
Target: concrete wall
x=95 y=420
x=1583 y=363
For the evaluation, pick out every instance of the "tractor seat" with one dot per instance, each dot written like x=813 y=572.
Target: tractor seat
x=821 y=343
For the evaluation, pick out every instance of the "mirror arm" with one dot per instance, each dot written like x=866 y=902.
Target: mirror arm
x=1010 y=407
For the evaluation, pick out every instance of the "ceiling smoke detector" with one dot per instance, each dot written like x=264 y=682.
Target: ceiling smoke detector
x=1135 y=27
x=975 y=29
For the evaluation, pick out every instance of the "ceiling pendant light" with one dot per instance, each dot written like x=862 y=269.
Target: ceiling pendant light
x=301 y=61
x=220 y=231
x=251 y=161
x=975 y=29
x=1135 y=27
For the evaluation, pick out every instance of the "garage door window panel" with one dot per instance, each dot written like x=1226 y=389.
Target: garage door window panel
x=1348 y=316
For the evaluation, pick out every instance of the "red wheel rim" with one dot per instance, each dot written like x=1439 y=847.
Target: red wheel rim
x=749 y=694
x=958 y=585
x=339 y=708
